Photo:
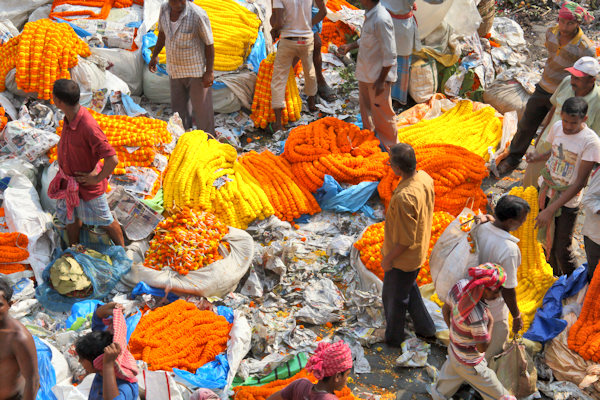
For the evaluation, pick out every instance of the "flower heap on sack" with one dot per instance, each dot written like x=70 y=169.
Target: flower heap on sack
x=275 y=176
x=186 y=241
x=535 y=275
x=329 y=146
x=104 y=5
x=41 y=54
x=335 y=32
x=466 y=224
x=371 y=242
x=460 y=126
x=3 y=119
x=262 y=112
x=584 y=336
x=266 y=390
x=179 y=335
x=13 y=251
x=457 y=175
x=206 y=175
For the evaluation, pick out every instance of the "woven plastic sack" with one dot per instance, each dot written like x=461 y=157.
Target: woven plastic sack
x=507 y=96
x=515 y=370
x=423 y=80
x=104 y=277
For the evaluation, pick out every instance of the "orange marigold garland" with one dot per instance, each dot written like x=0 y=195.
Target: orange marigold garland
x=3 y=119
x=179 y=335
x=333 y=147
x=13 y=250
x=584 y=336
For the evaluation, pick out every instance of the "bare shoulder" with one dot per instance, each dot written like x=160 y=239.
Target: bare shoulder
x=21 y=337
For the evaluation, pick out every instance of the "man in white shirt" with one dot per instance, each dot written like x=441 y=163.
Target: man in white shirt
x=292 y=20
x=376 y=72
x=591 y=223
x=496 y=245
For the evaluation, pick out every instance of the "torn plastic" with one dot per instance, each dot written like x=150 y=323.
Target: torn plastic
x=414 y=353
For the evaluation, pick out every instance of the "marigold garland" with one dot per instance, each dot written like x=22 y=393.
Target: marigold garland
x=3 y=119
x=13 y=250
x=205 y=174
x=584 y=336
x=104 y=5
x=457 y=175
x=335 y=32
x=276 y=178
x=460 y=126
x=179 y=335
x=266 y=390
x=42 y=53
x=535 y=275
x=262 y=112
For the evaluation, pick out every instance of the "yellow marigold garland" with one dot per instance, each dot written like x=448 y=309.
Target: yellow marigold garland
x=584 y=336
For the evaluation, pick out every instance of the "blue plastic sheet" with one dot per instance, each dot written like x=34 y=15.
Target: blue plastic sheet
x=79 y=31
x=547 y=323
x=103 y=275
x=331 y=196
x=80 y=312
x=131 y=107
x=144 y=288
x=258 y=52
x=148 y=43
x=226 y=312
x=212 y=375
x=132 y=323
x=46 y=370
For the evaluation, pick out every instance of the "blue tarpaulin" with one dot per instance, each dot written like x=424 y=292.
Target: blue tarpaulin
x=331 y=196
x=46 y=370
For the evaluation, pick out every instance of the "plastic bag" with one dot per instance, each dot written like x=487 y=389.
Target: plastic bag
x=414 y=353
x=46 y=370
x=423 y=80
x=331 y=196
x=369 y=282
x=515 y=370
x=104 y=277
x=7 y=31
x=17 y=11
x=160 y=385
x=48 y=174
x=127 y=65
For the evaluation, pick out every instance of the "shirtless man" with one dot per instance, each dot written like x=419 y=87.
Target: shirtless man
x=19 y=378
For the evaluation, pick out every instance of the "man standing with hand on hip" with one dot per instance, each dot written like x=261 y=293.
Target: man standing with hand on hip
x=185 y=30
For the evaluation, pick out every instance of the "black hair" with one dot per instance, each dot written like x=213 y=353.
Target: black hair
x=575 y=107
x=511 y=207
x=92 y=345
x=66 y=91
x=403 y=156
x=6 y=289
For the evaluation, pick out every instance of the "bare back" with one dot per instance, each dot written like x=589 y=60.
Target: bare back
x=13 y=338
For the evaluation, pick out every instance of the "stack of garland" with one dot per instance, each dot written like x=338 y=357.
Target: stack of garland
x=534 y=275
x=3 y=119
x=13 y=251
x=275 y=176
x=179 y=335
x=457 y=175
x=338 y=32
x=266 y=390
x=205 y=174
x=370 y=243
x=42 y=53
x=329 y=146
x=262 y=112
x=584 y=336
x=186 y=241
x=104 y=6
x=460 y=126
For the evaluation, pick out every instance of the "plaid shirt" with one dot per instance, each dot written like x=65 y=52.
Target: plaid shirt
x=185 y=46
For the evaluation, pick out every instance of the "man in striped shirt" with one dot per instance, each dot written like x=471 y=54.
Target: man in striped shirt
x=470 y=322
x=566 y=43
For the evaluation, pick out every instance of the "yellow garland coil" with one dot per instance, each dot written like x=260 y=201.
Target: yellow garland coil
x=534 y=275
x=205 y=174
x=460 y=126
x=262 y=112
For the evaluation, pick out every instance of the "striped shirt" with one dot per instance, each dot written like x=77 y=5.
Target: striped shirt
x=465 y=335
x=563 y=57
x=185 y=40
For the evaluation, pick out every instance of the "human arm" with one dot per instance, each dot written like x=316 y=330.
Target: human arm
x=510 y=298
x=591 y=197
x=93 y=178
x=208 y=77
x=343 y=49
x=321 y=14
x=446 y=312
x=536 y=157
x=160 y=44
x=402 y=222
x=205 y=33
x=26 y=355
x=110 y=389
x=276 y=18
x=385 y=36
x=484 y=344
x=386 y=263
x=276 y=396
x=545 y=123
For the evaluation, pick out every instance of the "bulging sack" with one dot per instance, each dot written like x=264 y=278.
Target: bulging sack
x=515 y=370
x=423 y=80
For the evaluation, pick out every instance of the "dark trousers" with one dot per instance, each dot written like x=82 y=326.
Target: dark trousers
x=536 y=110
x=562 y=256
x=592 y=253
x=190 y=97
x=401 y=294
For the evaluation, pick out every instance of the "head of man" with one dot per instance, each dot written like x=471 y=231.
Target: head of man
x=65 y=94
x=583 y=75
x=485 y=284
x=6 y=293
x=331 y=364
x=91 y=346
x=368 y=4
x=570 y=16
x=573 y=115
x=403 y=160
x=177 y=5
x=511 y=211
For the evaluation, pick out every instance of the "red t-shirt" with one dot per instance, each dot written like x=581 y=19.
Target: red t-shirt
x=302 y=389
x=81 y=145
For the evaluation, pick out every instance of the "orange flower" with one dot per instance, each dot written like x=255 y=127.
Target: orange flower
x=584 y=336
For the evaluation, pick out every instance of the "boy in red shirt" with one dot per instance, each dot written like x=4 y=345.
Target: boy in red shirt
x=80 y=184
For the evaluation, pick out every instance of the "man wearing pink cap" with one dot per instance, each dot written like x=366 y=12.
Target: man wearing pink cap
x=581 y=82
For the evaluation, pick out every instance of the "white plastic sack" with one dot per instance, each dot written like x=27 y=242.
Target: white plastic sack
x=423 y=81
x=17 y=11
x=214 y=280
x=89 y=77
x=430 y=16
x=40 y=13
x=7 y=31
x=507 y=96
x=159 y=385
x=20 y=166
x=369 y=282
x=463 y=17
x=238 y=345
x=66 y=391
x=127 y=65
x=156 y=87
x=48 y=204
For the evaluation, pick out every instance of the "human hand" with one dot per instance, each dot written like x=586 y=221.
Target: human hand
x=544 y=218
x=343 y=49
x=531 y=157
x=483 y=218
x=517 y=324
x=87 y=178
x=274 y=33
x=111 y=352
x=379 y=85
x=152 y=64
x=106 y=310
x=386 y=264
x=208 y=78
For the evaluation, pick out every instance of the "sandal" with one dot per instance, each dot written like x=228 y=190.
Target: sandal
x=327 y=93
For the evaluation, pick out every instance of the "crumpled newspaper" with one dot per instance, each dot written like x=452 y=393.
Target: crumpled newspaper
x=414 y=353
x=323 y=303
x=562 y=390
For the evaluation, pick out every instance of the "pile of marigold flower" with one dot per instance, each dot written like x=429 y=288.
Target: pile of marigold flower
x=3 y=119
x=179 y=335
x=276 y=178
x=13 y=251
x=41 y=54
x=335 y=32
x=371 y=242
x=535 y=275
x=333 y=147
x=186 y=241
x=262 y=112
x=205 y=174
x=584 y=336
x=457 y=175
x=460 y=126
x=266 y=390
x=104 y=5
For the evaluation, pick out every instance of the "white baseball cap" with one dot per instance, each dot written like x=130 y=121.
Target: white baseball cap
x=585 y=66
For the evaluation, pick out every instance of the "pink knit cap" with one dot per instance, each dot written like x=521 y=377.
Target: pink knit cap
x=329 y=359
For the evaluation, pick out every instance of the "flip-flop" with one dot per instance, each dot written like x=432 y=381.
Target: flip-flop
x=327 y=93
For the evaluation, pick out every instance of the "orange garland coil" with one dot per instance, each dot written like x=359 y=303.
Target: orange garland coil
x=179 y=335
x=13 y=251
x=276 y=178
x=584 y=336
x=186 y=241
x=104 y=5
x=457 y=175
x=333 y=147
x=3 y=119
x=41 y=54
